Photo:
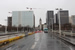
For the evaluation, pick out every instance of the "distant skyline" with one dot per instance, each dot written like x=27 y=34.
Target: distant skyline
x=44 y=5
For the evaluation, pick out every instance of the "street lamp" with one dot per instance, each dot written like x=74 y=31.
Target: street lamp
x=59 y=20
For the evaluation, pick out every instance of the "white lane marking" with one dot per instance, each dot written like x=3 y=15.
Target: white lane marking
x=33 y=46
x=37 y=39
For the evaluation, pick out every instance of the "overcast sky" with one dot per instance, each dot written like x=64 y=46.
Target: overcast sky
x=44 y=5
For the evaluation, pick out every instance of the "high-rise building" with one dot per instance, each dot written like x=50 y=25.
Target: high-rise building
x=70 y=19
x=50 y=18
x=73 y=19
x=64 y=16
x=10 y=21
x=56 y=19
x=23 y=18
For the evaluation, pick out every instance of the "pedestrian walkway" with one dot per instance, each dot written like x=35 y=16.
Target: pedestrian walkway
x=69 y=39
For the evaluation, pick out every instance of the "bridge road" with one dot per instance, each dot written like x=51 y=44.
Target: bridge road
x=38 y=41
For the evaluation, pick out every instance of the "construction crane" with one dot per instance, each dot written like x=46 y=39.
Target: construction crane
x=32 y=8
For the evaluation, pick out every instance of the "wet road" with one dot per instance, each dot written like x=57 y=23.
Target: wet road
x=39 y=41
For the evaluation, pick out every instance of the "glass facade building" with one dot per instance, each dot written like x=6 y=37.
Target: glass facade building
x=23 y=18
x=73 y=19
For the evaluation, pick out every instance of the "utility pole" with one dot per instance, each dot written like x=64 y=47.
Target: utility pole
x=59 y=20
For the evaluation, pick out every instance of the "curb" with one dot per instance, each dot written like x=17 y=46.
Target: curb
x=6 y=41
x=30 y=33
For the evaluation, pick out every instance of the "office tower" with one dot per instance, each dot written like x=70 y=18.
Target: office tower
x=50 y=18
x=56 y=19
x=9 y=21
x=23 y=19
x=73 y=19
x=64 y=16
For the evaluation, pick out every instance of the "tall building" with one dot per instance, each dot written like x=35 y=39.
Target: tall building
x=70 y=19
x=73 y=19
x=56 y=19
x=10 y=21
x=64 y=16
x=40 y=23
x=23 y=18
x=50 y=18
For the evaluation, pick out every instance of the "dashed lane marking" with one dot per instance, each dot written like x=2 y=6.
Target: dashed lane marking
x=33 y=46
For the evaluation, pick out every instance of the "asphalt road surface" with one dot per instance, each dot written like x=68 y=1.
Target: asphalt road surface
x=39 y=41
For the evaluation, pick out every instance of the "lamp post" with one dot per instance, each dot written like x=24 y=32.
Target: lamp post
x=59 y=20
